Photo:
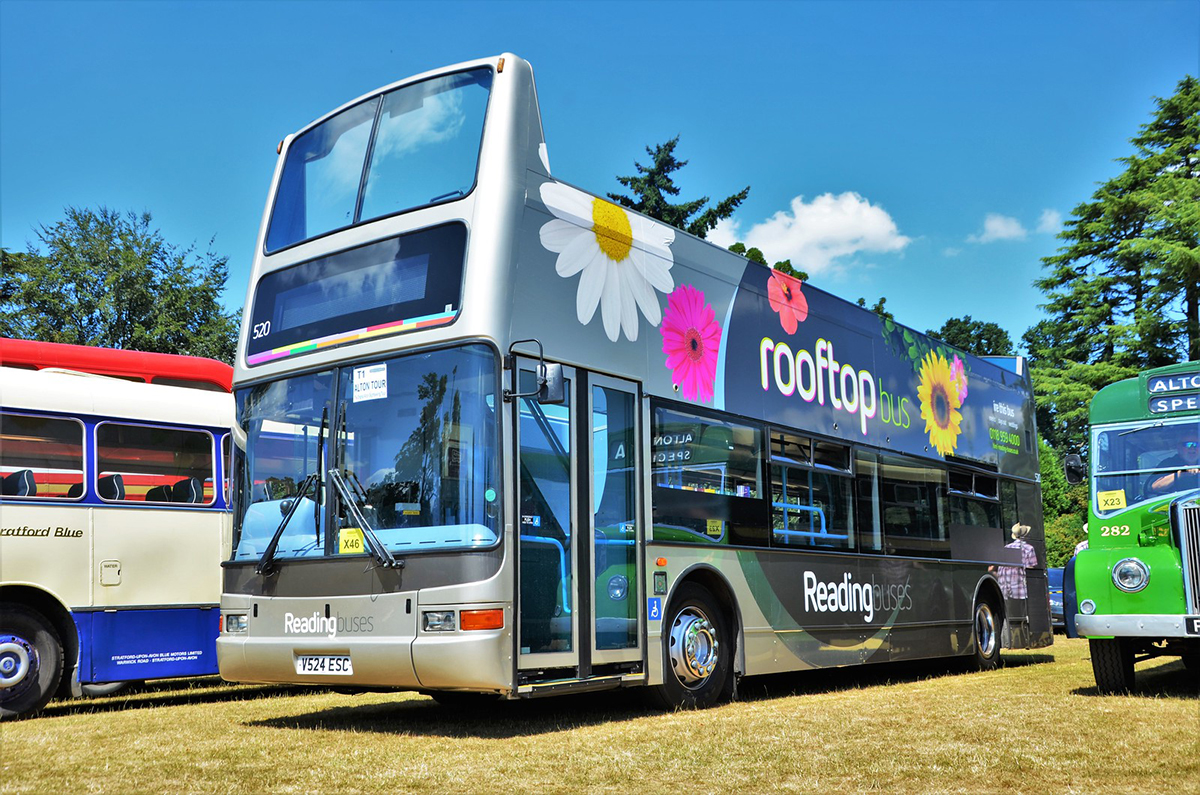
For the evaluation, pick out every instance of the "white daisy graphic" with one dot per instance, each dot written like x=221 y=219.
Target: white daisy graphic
x=623 y=258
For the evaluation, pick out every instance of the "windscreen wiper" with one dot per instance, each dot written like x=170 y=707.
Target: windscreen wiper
x=265 y=563
x=351 y=494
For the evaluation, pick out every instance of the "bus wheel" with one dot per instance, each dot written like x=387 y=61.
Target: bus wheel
x=697 y=652
x=986 y=634
x=1112 y=664
x=31 y=660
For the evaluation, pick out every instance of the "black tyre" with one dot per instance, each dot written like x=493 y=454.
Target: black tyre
x=697 y=652
x=1112 y=664
x=31 y=660
x=985 y=635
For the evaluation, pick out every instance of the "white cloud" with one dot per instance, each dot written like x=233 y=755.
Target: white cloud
x=1050 y=222
x=814 y=235
x=999 y=227
x=951 y=252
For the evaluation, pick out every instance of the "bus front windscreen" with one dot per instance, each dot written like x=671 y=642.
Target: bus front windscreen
x=1137 y=462
x=411 y=147
x=414 y=437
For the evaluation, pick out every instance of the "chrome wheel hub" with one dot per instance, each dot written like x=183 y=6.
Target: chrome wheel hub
x=694 y=650
x=985 y=629
x=17 y=658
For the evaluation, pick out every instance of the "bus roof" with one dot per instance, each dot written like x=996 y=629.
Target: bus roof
x=86 y=393
x=159 y=368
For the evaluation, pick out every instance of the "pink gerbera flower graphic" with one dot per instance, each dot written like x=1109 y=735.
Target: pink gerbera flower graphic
x=786 y=298
x=691 y=341
x=958 y=373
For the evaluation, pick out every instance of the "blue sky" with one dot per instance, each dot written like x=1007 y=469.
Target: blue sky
x=923 y=151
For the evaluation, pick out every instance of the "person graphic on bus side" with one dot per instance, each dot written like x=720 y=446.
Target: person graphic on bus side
x=1186 y=474
x=1012 y=578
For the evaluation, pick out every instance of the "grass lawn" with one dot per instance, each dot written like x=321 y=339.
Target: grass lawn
x=1037 y=725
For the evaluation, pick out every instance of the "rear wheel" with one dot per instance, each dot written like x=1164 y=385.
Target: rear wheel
x=1112 y=664
x=31 y=660
x=985 y=631
x=697 y=652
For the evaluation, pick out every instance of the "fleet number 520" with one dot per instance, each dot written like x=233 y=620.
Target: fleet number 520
x=261 y=329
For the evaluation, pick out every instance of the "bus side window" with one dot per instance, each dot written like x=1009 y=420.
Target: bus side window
x=41 y=457
x=154 y=464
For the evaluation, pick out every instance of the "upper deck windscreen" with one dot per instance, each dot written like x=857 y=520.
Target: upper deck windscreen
x=415 y=146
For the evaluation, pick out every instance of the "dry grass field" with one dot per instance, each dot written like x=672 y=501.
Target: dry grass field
x=1037 y=725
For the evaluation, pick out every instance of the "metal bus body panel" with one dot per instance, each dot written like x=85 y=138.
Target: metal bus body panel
x=375 y=630
x=153 y=643
x=800 y=611
x=58 y=560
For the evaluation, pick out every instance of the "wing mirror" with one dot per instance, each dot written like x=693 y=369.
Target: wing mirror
x=1074 y=469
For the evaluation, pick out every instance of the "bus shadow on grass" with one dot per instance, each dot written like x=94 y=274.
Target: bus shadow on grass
x=501 y=720
x=834 y=680
x=146 y=695
x=1162 y=679
x=498 y=720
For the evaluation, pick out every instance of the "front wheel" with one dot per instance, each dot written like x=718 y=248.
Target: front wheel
x=1112 y=664
x=31 y=660
x=697 y=652
x=985 y=632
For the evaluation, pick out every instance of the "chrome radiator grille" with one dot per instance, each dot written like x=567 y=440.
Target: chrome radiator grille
x=1189 y=526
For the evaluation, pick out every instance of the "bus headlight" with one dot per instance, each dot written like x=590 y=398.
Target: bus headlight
x=235 y=622
x=438 y=620
x=1087 y=607
x=618 y=587
x=1131 y=575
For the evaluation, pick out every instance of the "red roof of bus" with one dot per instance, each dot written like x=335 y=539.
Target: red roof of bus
x=157 y=368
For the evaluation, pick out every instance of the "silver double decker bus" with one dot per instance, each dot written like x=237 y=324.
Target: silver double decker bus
x=499 y=437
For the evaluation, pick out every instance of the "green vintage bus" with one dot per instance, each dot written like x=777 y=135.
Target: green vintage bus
x=1138 y=582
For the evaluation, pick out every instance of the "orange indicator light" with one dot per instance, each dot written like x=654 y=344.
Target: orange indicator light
x=660 y=562
x=481 y=619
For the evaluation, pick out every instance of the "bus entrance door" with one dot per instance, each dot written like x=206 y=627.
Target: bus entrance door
x=579 y=517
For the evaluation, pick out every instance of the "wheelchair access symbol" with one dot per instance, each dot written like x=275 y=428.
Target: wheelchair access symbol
x=654 y=613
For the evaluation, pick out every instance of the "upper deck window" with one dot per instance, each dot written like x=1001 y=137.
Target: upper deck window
x=409 y=148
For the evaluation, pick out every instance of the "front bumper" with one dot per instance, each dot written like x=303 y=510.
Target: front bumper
x=1137 y=626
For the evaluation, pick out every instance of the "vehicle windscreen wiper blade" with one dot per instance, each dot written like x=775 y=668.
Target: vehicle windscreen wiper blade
x=265 y=562
x=351 y=499
x=312 y=480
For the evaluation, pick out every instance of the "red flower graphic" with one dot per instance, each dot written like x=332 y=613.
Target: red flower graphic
x=787 y=299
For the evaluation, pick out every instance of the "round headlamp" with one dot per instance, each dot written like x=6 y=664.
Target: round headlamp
x=1131 y=575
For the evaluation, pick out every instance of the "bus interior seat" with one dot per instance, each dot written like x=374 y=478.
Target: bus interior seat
x=75 y=491
x=159 y=494
x=19 y=484
x=111 y=487
x=187 y=490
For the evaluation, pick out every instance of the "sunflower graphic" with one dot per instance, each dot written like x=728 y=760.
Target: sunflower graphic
x=939 y=393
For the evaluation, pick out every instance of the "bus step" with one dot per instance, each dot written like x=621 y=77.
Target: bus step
x=579 y=685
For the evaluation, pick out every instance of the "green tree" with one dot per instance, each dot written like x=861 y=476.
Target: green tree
x=977 y=337
x=878 y=307
x=102 y=278
x=1123 y=290
x=654 y=183
x=1064 y=507
x=754 y=255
